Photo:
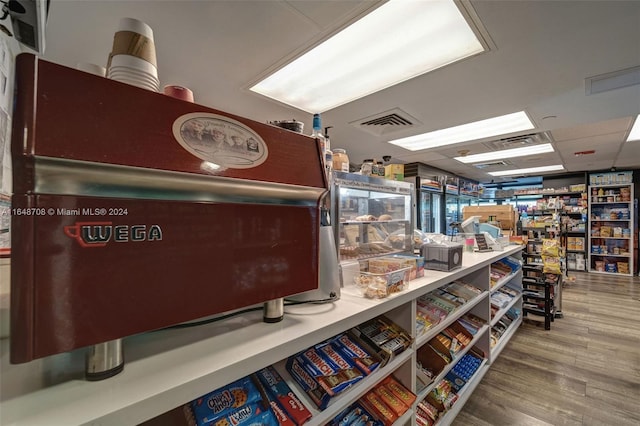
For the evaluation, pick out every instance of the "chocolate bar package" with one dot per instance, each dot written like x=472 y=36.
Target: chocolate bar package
x=356 y=415
x=366 y=360
x=382 y=333
x=278 y=389
x=375 y=405
x=319 y=377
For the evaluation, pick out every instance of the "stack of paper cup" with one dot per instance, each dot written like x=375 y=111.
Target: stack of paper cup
x=133 y=56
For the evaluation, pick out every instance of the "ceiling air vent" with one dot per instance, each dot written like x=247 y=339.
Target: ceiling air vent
x=499 y=163
x=386 y=122
x=519 y=141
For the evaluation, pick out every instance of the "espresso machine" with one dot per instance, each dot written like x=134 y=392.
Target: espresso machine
x=142 y=211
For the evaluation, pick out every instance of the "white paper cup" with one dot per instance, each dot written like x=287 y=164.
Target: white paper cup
x=154 y=83
x=133 y=62
x=137 y=83
x=135 y=26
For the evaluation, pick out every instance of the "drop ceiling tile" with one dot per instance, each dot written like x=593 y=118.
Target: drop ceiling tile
x=424 y=157
x=629 y=157
x=325 y=14
x=454 y=151
x=593 y=129
x=605 y=143
x=591 y=165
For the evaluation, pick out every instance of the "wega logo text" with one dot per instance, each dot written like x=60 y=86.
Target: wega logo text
x=99 y=234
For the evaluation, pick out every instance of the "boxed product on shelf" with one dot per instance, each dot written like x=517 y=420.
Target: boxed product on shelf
x=441 y=303
x=445 y=345
x=426 y=414
x=278 y=410
x=503 y=268
x=430 y=363
x=374 y=404
x=471 y=322
x=455 y=300
x=355 y=414
x=623 y=267
x=278 y=392
x=389 y=401
x=319 y=378
x=381 y=285
x=500 y=300
x=365 y=357
x=442 y=396
x=464 y=369
x=405 y=395
x=462 y=290
x=384 y=335
x=460 y=336
x=427 y=316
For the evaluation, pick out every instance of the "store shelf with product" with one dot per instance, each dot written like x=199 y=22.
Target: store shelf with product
x=166 y=369
x=423 y=388
x=611 y=225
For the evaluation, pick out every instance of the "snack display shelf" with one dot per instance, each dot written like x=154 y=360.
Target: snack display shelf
x=504 y=281
x=504 y=310
x=464 y=395
x=513 y=327
x=609 y=202
x=346 y=398
x=605 y=272
x=610 y=238
x=422 y=393
x=166 y=369
x=610 y=255
x=450 y=319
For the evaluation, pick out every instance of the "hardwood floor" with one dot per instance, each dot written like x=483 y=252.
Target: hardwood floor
x=584 y=371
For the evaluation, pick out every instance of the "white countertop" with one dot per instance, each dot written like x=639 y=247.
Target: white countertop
x=168 y=368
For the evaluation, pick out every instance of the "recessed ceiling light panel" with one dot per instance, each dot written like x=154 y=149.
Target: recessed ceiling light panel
x=634 y=135
x=495 y=126
x=396 y=42
x=506 y=153
x=529 y=171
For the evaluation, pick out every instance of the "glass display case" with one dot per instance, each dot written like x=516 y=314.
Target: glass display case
x=372 y=216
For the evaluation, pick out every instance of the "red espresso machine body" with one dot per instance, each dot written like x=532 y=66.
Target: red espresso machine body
x=134 y=211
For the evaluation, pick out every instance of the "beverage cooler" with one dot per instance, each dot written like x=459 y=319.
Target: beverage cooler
x=469 y=196
x=429 y=203
x=136 y=211
x=452 y=204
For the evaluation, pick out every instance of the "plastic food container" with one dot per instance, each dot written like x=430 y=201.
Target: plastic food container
x=379 y=286
x=340 y=160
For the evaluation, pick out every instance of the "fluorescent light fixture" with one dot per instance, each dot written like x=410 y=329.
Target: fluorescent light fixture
x=634 y=135
x=528 y=171
x=397 y=41
x=489 y=127
x=506 y=153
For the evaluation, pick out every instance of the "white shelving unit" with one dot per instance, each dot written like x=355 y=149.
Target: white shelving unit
x=167 y=369
x=611 y=229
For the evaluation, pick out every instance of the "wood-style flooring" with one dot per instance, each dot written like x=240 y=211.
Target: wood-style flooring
x=584 y=371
